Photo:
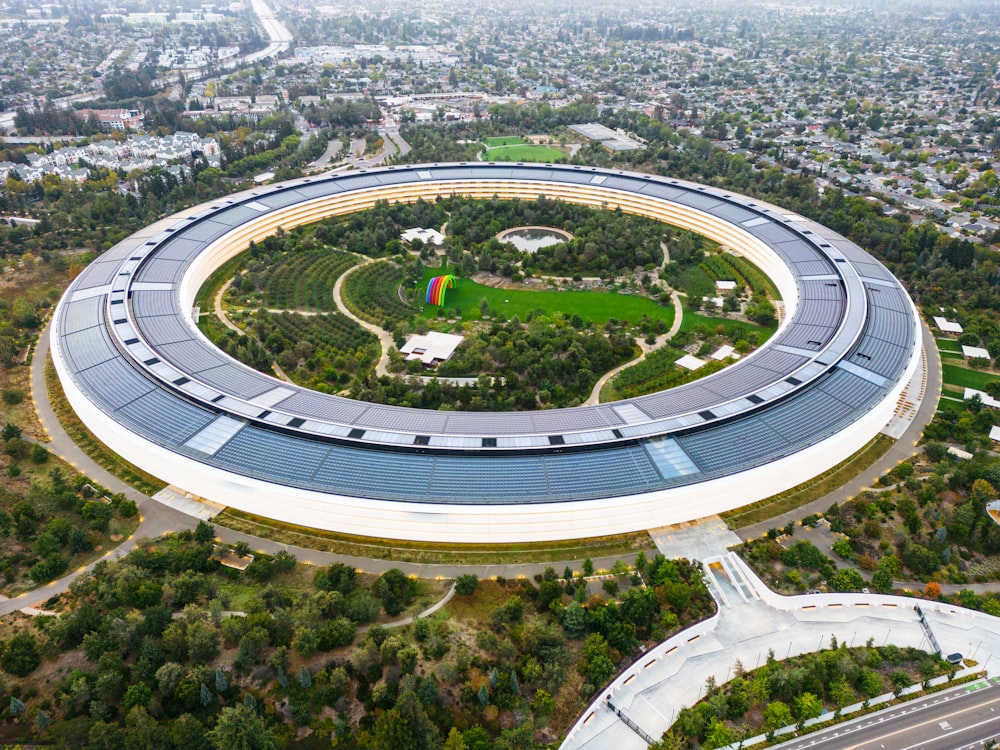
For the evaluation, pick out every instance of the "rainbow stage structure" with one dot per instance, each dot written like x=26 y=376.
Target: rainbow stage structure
x=436 y=288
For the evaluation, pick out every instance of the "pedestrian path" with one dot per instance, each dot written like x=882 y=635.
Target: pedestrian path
x=753 y=624
x=695 y=540
x=178 y=499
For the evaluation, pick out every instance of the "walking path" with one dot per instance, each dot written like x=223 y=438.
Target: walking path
x=384 y=337
x=157 y=519
x=220 y=310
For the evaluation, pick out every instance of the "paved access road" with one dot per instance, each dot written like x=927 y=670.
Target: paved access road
x=953 y=720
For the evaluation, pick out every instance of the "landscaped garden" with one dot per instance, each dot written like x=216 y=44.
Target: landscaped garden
x=784 y=693
x=540 y=326
x=171 y=642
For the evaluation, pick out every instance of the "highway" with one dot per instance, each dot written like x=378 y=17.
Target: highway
x=278 y=35
x=959 y=719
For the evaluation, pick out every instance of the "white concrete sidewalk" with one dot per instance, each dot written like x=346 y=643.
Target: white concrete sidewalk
x=180 y=500
x=749 y=626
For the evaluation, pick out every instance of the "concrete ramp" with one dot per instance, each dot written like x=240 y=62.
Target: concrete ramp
x=189 y=505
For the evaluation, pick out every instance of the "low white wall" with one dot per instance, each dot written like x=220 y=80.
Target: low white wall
x=672 y=648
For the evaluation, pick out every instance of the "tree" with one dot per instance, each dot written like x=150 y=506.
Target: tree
x=337 y=577
x=718 y=735
x=466 y=584
x=407 y=658
x=188 y=733
x=204 y=533
x=20 y=655
x=239 y=728
x=455 y=740
x=596 y=663
x=395 y=590
x=574 y=620
x=143 y=732
x=807 y=706
x=776 y=716
x=900 y=680
x=847 y=579
x=105 y=736
x=405 y=726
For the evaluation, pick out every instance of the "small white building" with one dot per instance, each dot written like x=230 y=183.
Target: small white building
x=725 y=352
x=984 y=397
x=427 y=236
x=689 y=362
x=432 y=348
x=723 y=285
x=975 y=352
x=948 y=326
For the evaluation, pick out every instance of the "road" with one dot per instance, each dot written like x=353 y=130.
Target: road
x=903 y=449
x=157 y=519
x=951 y=720
x=277 y=33
x=279 y=40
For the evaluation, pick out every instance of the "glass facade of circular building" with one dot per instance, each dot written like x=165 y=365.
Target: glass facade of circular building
x=145 y=380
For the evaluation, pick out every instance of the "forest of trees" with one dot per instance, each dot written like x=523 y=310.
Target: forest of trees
x=160 y=661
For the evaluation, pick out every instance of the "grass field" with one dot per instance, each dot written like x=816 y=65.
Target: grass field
x=597 y=307
x=966 y=377
x=948 y=345
x=691 y=319
x=523 y=152
x=504 y=140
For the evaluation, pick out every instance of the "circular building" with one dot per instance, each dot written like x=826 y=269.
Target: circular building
x=145 y=380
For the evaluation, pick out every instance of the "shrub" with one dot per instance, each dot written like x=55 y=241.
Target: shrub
x=466 y=584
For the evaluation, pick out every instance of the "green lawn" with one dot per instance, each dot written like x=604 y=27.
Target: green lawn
x=948 y=345
x=597 y=307
x=523 y=152
x=966 y=377
x=692 y=319
x=503 y=140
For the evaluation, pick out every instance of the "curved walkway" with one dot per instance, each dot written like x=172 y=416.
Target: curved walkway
x=384 y=337
x=220 y=313
x=157 y=519
x=220 y=310
x=753 y=622
x=595 y=393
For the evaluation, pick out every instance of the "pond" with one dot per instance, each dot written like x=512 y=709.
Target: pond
x=530 y=239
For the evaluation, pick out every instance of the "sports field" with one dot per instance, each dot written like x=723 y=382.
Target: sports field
x=504 y=140
x=597 y=307
x=514 y=148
